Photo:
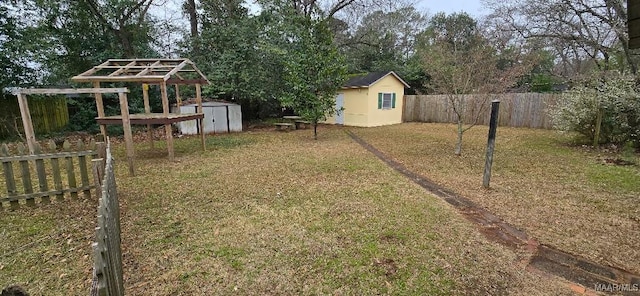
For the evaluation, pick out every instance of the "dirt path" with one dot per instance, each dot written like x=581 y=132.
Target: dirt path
x=574 y=268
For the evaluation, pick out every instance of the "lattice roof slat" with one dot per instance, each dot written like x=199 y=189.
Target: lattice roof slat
x=174 y=71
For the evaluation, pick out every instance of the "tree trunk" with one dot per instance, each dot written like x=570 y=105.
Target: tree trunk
x=315 y=130
x=596 y=134
x=458 y=150
x=193 y=17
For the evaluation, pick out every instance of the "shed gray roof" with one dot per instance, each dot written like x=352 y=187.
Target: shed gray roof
x=368 y=79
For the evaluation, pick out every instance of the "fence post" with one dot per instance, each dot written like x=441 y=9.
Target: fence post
x=491 y=142
x=27 y=124
x=97 y=167
x=101 y=148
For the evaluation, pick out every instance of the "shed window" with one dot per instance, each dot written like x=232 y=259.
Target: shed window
x=386 y=100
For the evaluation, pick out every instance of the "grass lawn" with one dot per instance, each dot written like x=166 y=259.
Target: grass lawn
x=279 y=213
x=563 y=196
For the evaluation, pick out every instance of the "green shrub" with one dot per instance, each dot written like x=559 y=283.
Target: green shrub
x=616 y=96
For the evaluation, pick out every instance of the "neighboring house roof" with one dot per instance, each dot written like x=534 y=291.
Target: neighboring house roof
x=368 y=79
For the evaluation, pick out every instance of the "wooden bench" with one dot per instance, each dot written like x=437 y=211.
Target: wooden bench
x=284 y=126
x=302 y=124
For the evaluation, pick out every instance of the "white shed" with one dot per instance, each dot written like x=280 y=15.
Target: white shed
x=219 y=117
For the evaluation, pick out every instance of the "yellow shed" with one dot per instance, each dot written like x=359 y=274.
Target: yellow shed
x=371 y=99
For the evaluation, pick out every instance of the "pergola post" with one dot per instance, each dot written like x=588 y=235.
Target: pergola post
x=200 y=120
x=126 y=126
x=27 y=123
x=167 y=127
x=178 y=98
x=100 y=107
x=147 y=110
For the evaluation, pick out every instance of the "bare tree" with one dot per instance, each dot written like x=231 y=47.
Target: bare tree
x=460 y=62
x=576 y=29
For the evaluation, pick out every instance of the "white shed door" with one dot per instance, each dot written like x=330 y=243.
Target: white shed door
x=339 y=105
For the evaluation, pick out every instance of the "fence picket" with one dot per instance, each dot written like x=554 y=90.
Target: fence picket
x=108 y=278
x=25 y=174
x=84 y=175
x=23 y=164
x=71 y=175
x=55 y=170
x=9 y=178
x=42 y=175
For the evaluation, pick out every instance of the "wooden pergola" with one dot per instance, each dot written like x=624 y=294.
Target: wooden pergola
x=160 y=72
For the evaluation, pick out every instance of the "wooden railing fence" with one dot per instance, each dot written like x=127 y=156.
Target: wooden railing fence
x=33 y=179
x=516 y=109
x=107 y=254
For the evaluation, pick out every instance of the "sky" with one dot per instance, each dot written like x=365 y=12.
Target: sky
x=472 y=7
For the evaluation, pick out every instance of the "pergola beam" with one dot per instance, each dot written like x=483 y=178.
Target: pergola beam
x=64 y=91
x=118 y=78
x=175 y=70
x=93 y=70
x=148 y=69
x=25 y=114
x=123 y=69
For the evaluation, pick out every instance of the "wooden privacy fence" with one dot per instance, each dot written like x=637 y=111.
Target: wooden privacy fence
x=516 y=109
x=29 y=179
x=107 y=254
x=49 y=115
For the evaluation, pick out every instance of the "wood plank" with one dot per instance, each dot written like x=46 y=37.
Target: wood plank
x=175 y=70
x=165 y=99
x=42 y=177
x=188 y=81
x=27 y=123
x=48 y=155
x=10 y=181
x=178 y=98
x=84 y=174
x=147 y=110
x=26 y=181
x=128 y=137
x=94 y=69
x=97 y=168
x=71 y=175
x=100 y=109
x=200 y=120
x=63 y=91
x=147 y=60
x=35 y=195
x=55 y=170
x=167 y=127
x=123 y=69
x=148 y=68
x=145 y=78
x=193 y=65
x=150 y=120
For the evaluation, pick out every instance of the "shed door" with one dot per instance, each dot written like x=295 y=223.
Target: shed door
x=339 y=105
